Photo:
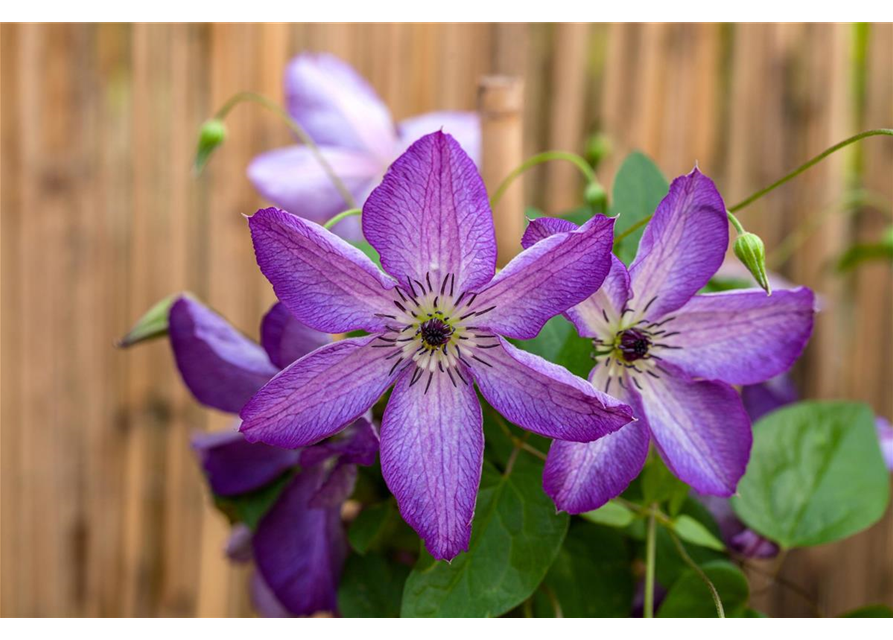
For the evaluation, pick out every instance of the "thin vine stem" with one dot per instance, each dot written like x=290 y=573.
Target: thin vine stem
x=650 y=561
x=538 y=159
x=720 y=612
x=298 y=130
x=341 y=216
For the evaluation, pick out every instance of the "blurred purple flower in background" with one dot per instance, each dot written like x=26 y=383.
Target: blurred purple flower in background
x=299 y=545
x=354 y=131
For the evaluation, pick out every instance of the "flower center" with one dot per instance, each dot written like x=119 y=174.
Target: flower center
x=633 y=345
x=435 y=332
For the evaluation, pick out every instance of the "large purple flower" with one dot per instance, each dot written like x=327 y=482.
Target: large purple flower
x=436 y=325
x=673 y=355
x=355 y=133
x=299 y=545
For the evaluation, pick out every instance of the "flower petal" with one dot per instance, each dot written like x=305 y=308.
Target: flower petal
x=545 y=398
x=264 y=600
x=336 y=488
x=464 y=126
x=233 y=466
x=318 y=395
x=682 y=246
x=765 y=397
x=701 y=429
x=740 y=337
x=432 y=452
x=547 y=279
x=292 y=178
x=358 y=444
x=541 y=228
x=325 y=282
x=299 y=551
x=336 y=106
x=430 y=217
x=221 y=367
x=286 y=339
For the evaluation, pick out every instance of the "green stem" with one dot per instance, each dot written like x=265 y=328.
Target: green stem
x=298 y=130
x=540 y=158
x=720 y=612
x=806 y=165
x=341 y=216
x=735 y=223
x=650 y=557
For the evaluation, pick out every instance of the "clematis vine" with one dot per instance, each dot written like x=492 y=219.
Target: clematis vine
x=299 y=545
x=355 y=133
x=673 y=355
x=437 y=323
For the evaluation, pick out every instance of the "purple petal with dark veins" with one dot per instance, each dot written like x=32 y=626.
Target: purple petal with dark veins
x=233 y=465
x=430 y=217
x=221 y=367
x=682 y=246
x=325 y=282
x=432 y=451
x=320 y=394
x=547 y=279
x=299 y=551
x=464 y=126
x=740 y=337
x=541 y=228
x=285 y=338
x=545 y=398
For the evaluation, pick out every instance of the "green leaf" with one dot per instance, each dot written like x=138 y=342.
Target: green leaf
x=693 y=531
x=515 y=538
x=371 y=587
x=861 y=253
x=613 y=514
x=816 y=474
x=370 y=526
x=559 y=342
x=870 y=611
x=670 y=565
x=690 y=597
x=152 y=325
x=590 y=578
x=249 y=508
x=753 y=613
x=639 y=186
x=660 y=485
x=369 y=250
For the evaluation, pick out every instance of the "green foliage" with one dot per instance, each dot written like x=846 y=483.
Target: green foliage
x=559 y=342
x=371 y=587
x=690 y=597
x=369 y=250
x=670 y=565
x=816 y=474
x=694 y=532
x=659 y=485
x=249 y=508
x=613 y=514
x=870 y=611
x=859 y=254
x=639 y=186
x=371 y=525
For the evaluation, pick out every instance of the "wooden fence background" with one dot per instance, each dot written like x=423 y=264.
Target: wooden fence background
x=103 y=509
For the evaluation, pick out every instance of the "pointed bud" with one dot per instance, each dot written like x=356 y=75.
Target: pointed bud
x=211 y=135
x=152 y=325
x=752 y=253
x=598 y=147
x=596 y=197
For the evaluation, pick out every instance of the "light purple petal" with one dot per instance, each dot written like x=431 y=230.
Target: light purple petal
x=464 y=126
x=299 y=551
x=541 y=228
x=319 y=395
x=221 y=367
x=739 y=337
x=750 y=544
x=682 y=246
x=547 y=279
x=264 y=600
x=432 y=451
x=292 y=178
x=766 y=397
x=545 y=398
x=234 y=466
x=885 y=437
x=286 y=339
x=238 y=545
x=430 y=217
x=337 y=107
x=700 y=428
x=325 y=282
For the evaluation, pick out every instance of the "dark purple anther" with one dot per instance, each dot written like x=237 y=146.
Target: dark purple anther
x=435 y=332
x=634 y=345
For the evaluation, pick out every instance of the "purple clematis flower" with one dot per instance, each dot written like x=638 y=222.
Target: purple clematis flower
x=299 y=545
x=355 y=133
x=436 y=325
x=673 y=355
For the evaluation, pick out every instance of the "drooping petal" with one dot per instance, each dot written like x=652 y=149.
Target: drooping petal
x=336 y=488
x=541 y=228
x=700 y=428
x=319 y=395
x=766 y=397
x=221 y=367
x=292 y=178
x=358 y=444
x=740 y=337
x=337 y=107
x=545 y=398
x=285 y=338
x=325 y=282
x=432 y=448
x=547 y=279
x=682 y=246
x=233 y=466
x=299 y=551
x=430 y=217
x=464 y=126
x=264 y=600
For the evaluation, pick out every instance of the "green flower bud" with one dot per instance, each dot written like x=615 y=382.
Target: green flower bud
x=596 y=197
x=752 y=253
x=598 y=147
x=211 y=135
x=152 y=325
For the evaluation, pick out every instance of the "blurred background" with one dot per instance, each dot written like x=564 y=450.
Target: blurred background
x=104 y=512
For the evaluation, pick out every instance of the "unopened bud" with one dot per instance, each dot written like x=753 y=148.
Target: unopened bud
x=752 y=253
x=598 y=147
x=211 y=135
x=596 y=197
x=152 y=325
